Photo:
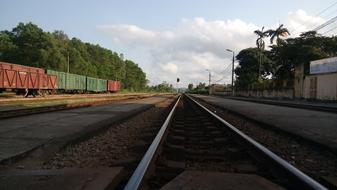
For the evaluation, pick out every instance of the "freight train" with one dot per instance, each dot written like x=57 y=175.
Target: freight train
x=32 y=81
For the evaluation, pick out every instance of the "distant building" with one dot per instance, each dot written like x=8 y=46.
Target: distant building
x=321 y=83
x=220 y=89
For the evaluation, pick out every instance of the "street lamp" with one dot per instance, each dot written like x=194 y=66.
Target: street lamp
x=209 y=81
x=232 y=71
x=209 y=77
x=68 y=61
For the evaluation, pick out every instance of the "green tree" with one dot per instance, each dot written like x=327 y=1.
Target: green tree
x=190 y=86
x=27 y=44
x=260 y=45
x=300 y=51
x=279 y=31
x=280 y=62
x=248 y=70
x=7 y=47
x=199 y=89
x=135 y=78
x=259 y=41
x=163 y=87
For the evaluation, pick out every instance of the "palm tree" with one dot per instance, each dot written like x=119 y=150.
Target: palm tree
x=260 y=44
x=280 y=31
x=261 y=34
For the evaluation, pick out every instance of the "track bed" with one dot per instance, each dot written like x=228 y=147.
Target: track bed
x=193 y=142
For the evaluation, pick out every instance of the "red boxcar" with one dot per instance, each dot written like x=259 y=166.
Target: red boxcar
x=47 y=82
x=113 y=86
x=14 y=76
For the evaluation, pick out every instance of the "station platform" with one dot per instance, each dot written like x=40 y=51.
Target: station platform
x=15 y=103
x=20 y=135
x=329 y=106
x=315 y=126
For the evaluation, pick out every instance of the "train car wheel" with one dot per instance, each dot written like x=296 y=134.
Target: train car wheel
x=26 y=94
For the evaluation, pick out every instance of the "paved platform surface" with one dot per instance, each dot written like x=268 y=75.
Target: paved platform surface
x=329 y=106
x=195 y=180
x=316 y=126
x=21 y=134
x=65 y=179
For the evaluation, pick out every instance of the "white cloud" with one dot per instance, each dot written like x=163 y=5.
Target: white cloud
x=171 y=68
x=187 y=50
x=299 y=21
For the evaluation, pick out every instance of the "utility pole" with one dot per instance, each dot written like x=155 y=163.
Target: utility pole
x=232 y=70
x=68 y=61
x=209 y=80
x=209 y=77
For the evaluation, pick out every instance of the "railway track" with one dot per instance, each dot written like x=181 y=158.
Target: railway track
x=195 y=139
x=16 y=112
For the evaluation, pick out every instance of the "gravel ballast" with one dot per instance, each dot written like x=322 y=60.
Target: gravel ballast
x=314 y=160
x=121 y=145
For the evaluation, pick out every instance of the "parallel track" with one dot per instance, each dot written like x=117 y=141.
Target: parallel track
x=193 y=137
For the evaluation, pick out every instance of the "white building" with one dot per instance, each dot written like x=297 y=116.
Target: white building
x=321 y=83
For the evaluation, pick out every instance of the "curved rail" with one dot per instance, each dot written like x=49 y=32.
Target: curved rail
x=137 y=177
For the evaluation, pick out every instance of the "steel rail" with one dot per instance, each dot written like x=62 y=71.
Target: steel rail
x=299 y=177
x=138 y=175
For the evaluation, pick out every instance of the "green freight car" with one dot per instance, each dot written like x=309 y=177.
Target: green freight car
x=102 y=85
x=61 y=78
x=68 y=81
x=75 y=82
x=96 y=85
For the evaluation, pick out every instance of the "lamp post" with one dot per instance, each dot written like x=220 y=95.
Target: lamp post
x=209 y=81
x=232 y=71
x=68 y=61
x=209 y=77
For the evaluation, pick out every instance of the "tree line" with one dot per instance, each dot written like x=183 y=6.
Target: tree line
x=29 y=45
x=200 y=88
x=275 y=67
x=162 y=87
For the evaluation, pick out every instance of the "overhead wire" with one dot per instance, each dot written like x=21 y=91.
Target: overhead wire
x=335 y=3
x=330 y=30
x=327 y=23
x=318 y=14
x=227 y=68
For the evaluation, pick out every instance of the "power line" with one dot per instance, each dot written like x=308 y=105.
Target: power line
x=332 y=29
x=334 y=19
x=331 y=13
x=224 y=72
x=321 y=12
x=335 y=3
x=220 y=79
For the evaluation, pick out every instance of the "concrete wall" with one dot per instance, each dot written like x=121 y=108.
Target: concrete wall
x=228 y=93
x=281 y=93
x=326 y=86
x=219 y=89
x=323 y=87
x=298 y=81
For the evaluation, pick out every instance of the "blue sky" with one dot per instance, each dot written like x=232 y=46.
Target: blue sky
x=100 y=21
